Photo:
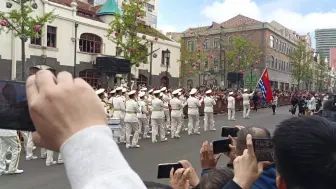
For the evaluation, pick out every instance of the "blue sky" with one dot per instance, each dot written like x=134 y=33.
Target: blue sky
x=302 y=16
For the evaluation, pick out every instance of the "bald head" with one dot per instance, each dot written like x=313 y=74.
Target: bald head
x=255 y=132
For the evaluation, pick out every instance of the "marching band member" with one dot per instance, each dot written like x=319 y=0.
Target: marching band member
x=231 y=107
x=193 y=115
x=184 y=101
x=131 y=120
x=142 y=116
x=119 y=112
x=10 y=139
x=208 y=112
x=112 y=95
x=101 y=95
x=124 y=95
x=157 y=117
x=50 y=158
x=29 y=145
x=176 y=123
x=246 y=104
x=166 y=101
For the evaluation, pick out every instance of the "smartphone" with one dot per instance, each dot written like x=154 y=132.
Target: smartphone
x=227 y=130
x=14 y=112
x=221 y=146
x=263 y=149
x=164 y=169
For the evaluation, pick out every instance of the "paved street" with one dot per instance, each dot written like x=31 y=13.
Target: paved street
x=143 y=160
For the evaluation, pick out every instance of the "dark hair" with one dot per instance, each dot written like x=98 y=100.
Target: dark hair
x=254 y=132
x=305 y=152
x=216 y=178
x=330 y=105
x=155 y=185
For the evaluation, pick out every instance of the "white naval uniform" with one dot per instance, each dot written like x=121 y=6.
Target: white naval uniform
x=157 y=118
x=208 y=113
x=29 y=144
x=193 y=115
x=166 y=100
x=246 y=104
x=231 y=108
x=119 y=113
x=183 y=100
x=50 y=158
x=176 y=117
x=131 y=122
x=9 y=139
x=142 y=117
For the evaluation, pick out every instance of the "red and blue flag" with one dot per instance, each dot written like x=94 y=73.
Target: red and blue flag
x=265 y=85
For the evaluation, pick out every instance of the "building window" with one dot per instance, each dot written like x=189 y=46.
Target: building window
x=36 y=40
x=91 y=77
x=142 y=80
x=216 y=61
x=191 y=46
x=272 y=61
x=216 y=43
x=51 y=36
x=230 y=39
x=284 y=48
x=276 y=63
x=271 y=41
x=276 y=44
x=207 y=43
x=90 y=43
x=280 y=46
x=150 y=7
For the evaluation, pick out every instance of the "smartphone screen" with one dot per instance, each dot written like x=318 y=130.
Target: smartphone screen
x=221 y=146
x=232 y=131
x=263 y=149
x=164 y=169
x=14 y=112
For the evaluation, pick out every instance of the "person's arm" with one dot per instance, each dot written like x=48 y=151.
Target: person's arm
x=80 y=154
x=214 y=102
x=232 y=185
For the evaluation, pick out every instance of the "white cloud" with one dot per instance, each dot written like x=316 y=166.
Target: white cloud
x=283 y=11
x=166 y=28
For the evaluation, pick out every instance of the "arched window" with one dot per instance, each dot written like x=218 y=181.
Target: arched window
x=276 y=63
x=165 y=81
x=142 y=80
x=90 y=43
x=190 y=84
x=90 y=76
x=271 y=41
x=272 y=61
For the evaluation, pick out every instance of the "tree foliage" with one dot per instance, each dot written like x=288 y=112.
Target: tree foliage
x=242 y=54
x=301 y=60
x=321 y=74
x=22 y=23
x=123 y=32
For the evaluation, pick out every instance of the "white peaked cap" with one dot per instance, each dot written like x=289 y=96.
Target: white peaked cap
x=100 y=91
x=163 y=89
x=150 y=91
x=208 y=92
x=230 y=93
x=141 y=94
x=180 y=93
x=176 y=92
x=157 y=92
x=112 y=92
x=193 y=91
x=245 y=90
x=118 y=88
x=161 y=94
x=124 y=90
x=144 y=89
x=132 y=92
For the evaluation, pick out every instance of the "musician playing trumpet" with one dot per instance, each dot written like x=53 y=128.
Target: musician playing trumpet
x=143 y=115
x=101 y=95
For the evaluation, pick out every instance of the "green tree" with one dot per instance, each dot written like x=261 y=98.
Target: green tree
x=301 y=60
x=124 y=29
x=23 y=24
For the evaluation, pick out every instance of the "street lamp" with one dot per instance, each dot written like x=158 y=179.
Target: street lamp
x=167 y=56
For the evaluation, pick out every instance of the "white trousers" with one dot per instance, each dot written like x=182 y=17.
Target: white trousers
x=246 y=112
x=43 y=153
x=132 y=126
x=14 y=143
x=209 y=121
x=167 y=116
x=29 y=144
x=231 y=113
x=193 y=124
x=156 y=124
x=143 y=123
x=50 y=157
x=176 y=125
x=122 y=130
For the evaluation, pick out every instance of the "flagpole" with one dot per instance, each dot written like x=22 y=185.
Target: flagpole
x=260 y=78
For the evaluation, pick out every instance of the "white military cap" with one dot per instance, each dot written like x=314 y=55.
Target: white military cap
x=112 y=92
x=230 y=93
x=180 y=93
x=193 y=91
x=132 y=92
x=144 y=89
x=163 y=89
x=118 y=88
x=141 y=94
x=150 y=91
x=208 y=91
x=245 y=90
x=176 y=92
x=161 y=94
x=100 y=91
x=157 y=92
x=124 y=90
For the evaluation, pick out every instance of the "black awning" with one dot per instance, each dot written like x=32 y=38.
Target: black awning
x=113 y=65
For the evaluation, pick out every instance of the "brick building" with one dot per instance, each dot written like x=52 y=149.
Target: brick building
x=274 y=41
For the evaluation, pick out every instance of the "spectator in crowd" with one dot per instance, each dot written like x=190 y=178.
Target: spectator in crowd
x=216 y=178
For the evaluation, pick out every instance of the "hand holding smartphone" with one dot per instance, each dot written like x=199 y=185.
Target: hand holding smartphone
x=164 y=169
x=263 y=149
x=221 y=146
x=227 y=130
